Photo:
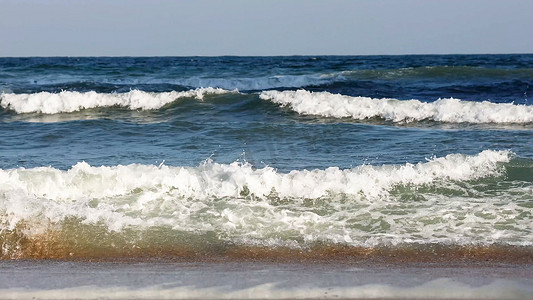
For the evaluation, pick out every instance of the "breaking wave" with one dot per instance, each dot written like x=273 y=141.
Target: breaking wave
x=67 y=101
x=360 y=108
x=119 y=209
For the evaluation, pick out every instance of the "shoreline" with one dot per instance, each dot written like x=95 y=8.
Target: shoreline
x=318 y=253
x=164 y=279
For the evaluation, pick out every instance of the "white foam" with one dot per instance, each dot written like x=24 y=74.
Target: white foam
x=361 y=108
x=240 y=203
x=231 y=180
x=435 y=289
x=66 y=101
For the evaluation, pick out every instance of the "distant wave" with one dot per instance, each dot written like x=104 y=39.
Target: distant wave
x=287 y=80
x=230 y=83
x=360 y=108
x=435 y=72
x=67 y=101
x=263 y=83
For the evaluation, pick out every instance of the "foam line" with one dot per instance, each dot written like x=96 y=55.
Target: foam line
x=232 y=180
x=448 y=110
x=67 y=101
x=359 y=206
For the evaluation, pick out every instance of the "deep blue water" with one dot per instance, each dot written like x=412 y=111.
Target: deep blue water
x=189 y=131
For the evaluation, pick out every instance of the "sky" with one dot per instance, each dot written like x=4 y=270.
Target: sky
x=263 y=27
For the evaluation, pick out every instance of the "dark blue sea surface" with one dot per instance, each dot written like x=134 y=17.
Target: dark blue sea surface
x=265 y=151
x=189 y=131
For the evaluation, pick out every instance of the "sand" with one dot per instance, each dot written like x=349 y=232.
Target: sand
x=244 y=279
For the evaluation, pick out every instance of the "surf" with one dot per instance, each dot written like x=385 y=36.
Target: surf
x=446 y=110
x=70 y=101
x=136 y=209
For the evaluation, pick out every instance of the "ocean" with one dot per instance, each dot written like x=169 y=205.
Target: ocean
x=282 y=164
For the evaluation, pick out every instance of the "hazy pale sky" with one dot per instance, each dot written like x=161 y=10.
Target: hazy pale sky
x=266 y=27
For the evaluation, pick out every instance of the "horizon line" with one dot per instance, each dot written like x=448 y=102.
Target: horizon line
x=278 y=55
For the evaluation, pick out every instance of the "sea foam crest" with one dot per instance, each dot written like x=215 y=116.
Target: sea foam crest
x=232 y=180
x=67 y=101
x=245 y=205
x=443 y=110
x=24 y=192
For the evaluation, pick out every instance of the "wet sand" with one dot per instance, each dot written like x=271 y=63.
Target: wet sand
x=263 y=279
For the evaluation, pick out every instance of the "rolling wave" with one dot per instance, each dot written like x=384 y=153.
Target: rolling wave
x=67 y=101
x=262 y=83
x=211 y=179
x=461 y=73
x=304 y=102
x=361 y=108
x=449 y=200
x=266 y=82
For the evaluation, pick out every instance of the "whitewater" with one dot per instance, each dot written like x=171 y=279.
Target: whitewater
x=67 y=101
x=360 y=108
x=241 y=204
x=323 y=104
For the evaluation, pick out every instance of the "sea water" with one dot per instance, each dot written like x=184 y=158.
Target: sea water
x=311 y=157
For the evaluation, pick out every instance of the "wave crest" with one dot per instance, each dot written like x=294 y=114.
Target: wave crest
x=237 y=179
x=446 y=199
x=67 y=101
x=360 y=108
